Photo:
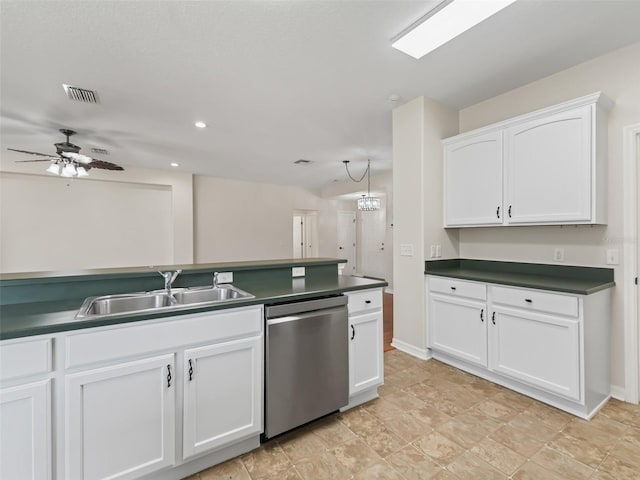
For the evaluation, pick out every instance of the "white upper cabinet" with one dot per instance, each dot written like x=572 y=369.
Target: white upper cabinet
x=550 y=164
x=473 y=181
x=549 y=169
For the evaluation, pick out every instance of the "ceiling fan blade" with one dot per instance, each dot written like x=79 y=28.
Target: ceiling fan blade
x=38 y=160
x=104 y=165
x=33 y=153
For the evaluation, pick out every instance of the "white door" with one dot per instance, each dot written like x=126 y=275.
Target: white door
x=473 y=181
x=120 y=420
x=548 y=167
x=25 y=432
x=366 y=367
x=458 y=327
x=347 y=241
x=537 y=349
x=371 y=243
x=298 y=244
x=305 y=235
x=222 y=394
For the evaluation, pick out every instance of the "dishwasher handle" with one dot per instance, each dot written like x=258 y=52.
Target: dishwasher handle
x=303 y=316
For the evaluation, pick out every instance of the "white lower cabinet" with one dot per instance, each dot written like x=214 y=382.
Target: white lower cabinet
x=538 y=349
x=222 y=394
x=458 y=327
x=366 y=349
x=120 y=420
x=551 y=346
x=25 y=431
x=365 y=352
x=127 y=388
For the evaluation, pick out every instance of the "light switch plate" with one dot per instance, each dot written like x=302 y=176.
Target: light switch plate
x=225 y=277
x=558 y=254
x=297 y=272
x=432 y=252
x=406 y=250
x=438 y=251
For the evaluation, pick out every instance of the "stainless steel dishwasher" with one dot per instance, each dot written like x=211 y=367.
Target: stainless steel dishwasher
x=307 y=362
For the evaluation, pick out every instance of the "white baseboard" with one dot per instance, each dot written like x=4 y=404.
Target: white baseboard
x=618 y=392
x=422 y=353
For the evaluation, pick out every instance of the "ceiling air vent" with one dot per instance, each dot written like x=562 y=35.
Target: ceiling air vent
x=302 y=161
x=80 y=94
x=100 y=151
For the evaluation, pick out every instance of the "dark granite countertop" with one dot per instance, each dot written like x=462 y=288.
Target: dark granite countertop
x=557 y=278
x=37 y=318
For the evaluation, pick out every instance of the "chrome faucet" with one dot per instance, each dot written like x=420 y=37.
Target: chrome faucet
x=215 y=279
x=169 y=277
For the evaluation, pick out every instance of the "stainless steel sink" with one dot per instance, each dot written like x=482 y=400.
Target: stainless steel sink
x=220 y=293
x=181 y=298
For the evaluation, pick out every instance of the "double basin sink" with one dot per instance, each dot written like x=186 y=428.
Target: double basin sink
x=180 y=298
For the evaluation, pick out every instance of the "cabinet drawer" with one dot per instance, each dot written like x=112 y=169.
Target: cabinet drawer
x=23 y=359
x=136 y=339
x=536 y=300
x=459 y=288
x=364 y=300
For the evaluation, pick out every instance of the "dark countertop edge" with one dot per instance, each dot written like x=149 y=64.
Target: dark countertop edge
x=533 y=285
x=9 y=279
x=132 y=318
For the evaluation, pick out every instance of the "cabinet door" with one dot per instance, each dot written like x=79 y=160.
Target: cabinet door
x=549 y=169
x=473 y=181
x=366 y=367
x=537 y=349
x=222 y=394
x=458 y=327
x=120 y=420
x=25 y=432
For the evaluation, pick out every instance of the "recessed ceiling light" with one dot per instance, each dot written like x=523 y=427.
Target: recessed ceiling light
x=444 y=23
x=200 y=125
x=174 y=164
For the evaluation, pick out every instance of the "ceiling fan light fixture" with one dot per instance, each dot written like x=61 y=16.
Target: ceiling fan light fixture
x=54 y=168
x=69 y=170
x=444 y=23
x=200 y=124
x=82 y=172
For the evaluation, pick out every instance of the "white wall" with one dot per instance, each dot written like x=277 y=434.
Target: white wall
x=109 y=219
x=236 y=220
x=618 y=76
x=418 y=127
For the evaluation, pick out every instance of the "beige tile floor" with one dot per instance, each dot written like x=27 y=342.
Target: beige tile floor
x=435 y=422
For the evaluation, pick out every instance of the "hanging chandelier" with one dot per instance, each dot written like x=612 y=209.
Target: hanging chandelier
x=366 y=203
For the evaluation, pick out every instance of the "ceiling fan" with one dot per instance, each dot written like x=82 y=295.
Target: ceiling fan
x=68 y=161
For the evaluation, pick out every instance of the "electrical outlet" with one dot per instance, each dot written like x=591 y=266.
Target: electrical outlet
x=438 y=251
x=558 y=254
x=225 y=277
x=432 y=251
x=406 y=250
x=613 y=257
x=297 y=272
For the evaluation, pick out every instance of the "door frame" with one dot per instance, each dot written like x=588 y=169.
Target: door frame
x=631 y=157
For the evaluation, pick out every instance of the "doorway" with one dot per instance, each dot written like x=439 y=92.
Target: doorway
x=631 y=208
x=347 y=241
x=305 y=234
x=371 y=232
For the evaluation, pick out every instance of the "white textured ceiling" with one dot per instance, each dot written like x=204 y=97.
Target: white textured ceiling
x=275 y=81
